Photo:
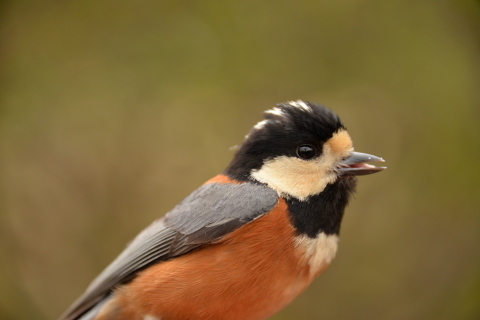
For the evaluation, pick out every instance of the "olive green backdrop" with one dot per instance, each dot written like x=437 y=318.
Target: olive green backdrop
x=113 y=111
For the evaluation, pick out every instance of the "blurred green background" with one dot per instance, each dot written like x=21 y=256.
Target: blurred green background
x=112 y=112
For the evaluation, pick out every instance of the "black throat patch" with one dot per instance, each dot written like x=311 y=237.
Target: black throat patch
x=322 y=212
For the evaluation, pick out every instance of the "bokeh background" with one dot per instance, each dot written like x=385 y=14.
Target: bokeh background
x=112 y=112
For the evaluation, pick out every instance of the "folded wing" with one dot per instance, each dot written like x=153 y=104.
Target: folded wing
x=205 y=216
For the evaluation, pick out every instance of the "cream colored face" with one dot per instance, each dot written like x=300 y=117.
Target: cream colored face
x=292 y=176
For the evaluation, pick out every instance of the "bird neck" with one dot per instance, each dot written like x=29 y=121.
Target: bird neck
x=322 y=212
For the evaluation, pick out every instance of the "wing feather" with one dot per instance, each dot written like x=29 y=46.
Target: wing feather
x=206 y=215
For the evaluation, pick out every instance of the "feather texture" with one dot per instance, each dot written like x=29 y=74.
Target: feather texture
x=208 y=214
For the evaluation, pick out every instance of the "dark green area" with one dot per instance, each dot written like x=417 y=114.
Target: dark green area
x=112 y=112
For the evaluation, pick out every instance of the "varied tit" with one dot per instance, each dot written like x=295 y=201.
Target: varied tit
x=249 y=240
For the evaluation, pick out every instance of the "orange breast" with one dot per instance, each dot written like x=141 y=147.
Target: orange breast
x=250 y=274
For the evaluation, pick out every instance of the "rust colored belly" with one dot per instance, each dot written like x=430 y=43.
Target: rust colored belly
x=250 y=274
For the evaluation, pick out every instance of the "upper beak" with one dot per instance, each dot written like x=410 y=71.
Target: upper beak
x=355 y=165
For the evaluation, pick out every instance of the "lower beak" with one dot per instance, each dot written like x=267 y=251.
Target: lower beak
x=355 y=165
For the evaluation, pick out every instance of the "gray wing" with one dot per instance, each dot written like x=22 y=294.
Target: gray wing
x=206 y=215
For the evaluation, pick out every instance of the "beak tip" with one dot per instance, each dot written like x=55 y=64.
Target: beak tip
x=355 y=165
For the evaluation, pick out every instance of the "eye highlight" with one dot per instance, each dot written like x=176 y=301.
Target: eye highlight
x=306 y=151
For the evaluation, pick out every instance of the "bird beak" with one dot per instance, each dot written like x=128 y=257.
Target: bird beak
x=355 y=165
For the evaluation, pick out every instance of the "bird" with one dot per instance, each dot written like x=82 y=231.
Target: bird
x=248 y=241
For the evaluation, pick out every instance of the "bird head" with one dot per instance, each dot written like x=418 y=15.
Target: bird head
x=298 y=149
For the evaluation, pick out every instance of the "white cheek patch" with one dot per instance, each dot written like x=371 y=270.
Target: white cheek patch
x=318 y=252
x=291 y=176
x=298 y=178
x=149 y=317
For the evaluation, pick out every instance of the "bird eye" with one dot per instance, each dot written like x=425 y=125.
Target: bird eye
x=306 y=151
